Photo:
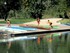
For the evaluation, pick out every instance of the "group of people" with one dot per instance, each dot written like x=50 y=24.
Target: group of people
x=50 y=23
x=38 y=21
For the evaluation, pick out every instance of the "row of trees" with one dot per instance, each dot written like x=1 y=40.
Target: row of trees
x=7 y=5
x=35 y=8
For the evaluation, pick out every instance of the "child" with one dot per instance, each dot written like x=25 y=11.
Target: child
x=38 y=21
x=50 y=23
x=8 y=23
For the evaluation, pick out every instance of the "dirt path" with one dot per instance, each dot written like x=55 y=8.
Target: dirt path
x=45 y=21
x=1 y=19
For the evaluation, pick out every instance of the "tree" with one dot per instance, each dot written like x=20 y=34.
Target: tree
x=34 y=7
x=14 y=5
x=68 y=3
x=7 y=5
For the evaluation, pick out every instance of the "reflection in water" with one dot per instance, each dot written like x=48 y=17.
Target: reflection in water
x=60 y=37
x=38 y=40
x=66 y=35
x=43 y=43
x=50 y=38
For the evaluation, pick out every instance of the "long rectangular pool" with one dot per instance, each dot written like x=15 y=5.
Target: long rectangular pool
x=17 y=29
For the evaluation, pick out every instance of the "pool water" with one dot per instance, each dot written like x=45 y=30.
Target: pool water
x=38 y=43
x=16 y=29
x=24 y=28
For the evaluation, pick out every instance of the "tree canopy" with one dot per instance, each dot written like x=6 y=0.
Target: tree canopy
x=35 y=8
x=7 y=5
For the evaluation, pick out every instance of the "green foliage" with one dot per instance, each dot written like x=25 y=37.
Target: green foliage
x=56 y=7
x=51 y=8
x=34 y=7
x=64 y=21
x=21 y=20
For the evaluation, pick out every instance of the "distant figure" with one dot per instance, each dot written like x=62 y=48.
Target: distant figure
x=65 y=15
x=60 y=16
x=8 y=23
x=50 y=23
x=38 y=21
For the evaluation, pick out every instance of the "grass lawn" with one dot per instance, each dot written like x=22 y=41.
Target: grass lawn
x=19 y=20
x=65 y=21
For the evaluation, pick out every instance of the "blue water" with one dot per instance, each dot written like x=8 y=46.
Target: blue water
x=24 y=28
x=68 y=24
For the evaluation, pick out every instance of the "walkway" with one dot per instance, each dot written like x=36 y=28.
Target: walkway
x=44 y=21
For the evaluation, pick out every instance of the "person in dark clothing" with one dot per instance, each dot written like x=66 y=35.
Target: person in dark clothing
x=50 y=24
x=60 y=16
x=65 y=15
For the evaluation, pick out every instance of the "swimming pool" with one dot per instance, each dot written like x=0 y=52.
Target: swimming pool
x=24 y=28
x=17 y=29
x=30 y=44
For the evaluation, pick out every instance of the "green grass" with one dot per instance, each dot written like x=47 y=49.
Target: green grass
x=23 y=20
x=18 y=20
x=64 y=21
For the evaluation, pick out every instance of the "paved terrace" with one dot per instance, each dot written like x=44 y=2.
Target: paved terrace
x=43 y=22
